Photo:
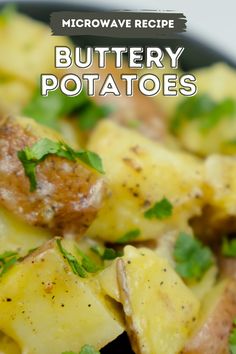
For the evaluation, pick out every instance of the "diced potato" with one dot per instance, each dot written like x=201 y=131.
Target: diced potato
x=14 y=95
x=219 y=216
x=109 y=282
x=140 y=173
x=27 y=48
x=202 y=287
x=68 y=193
x=219 y=82
x=16 y=235
x=48 y=309
x=215 y=322
x=160 y=310
x=8 y=346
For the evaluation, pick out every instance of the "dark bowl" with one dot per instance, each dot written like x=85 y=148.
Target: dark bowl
x=196 y=55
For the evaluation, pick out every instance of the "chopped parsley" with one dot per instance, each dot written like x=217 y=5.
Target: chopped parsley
x=76 y=267
x=86 y=349
x=79 y=267
x=232 y=339
x=7 y=260
x=204 y=109
x=30 y=157
x=192 y=258
x=89 y=265
x=229 y=247
x=160 y=210
x=129 y=236
x=48 y=110
x=106 y=253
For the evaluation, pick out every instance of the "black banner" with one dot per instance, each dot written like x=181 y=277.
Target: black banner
x=120 y=24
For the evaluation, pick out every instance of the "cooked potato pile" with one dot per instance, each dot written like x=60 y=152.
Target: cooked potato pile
x=116 y=215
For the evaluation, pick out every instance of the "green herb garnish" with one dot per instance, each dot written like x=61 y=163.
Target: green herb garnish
x=106 y=253
x=7 y=12
x=129 y=236
x=232 y=339
x=229 y=247
x=30 y=157
x=89 y=265
x=192 y=258
x=160 y=210
x=76 y=267
x=48 y=110
x=86 y=349
x=203 y=109
x=7 y=260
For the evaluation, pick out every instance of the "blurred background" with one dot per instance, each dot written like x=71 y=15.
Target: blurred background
x=210 y=21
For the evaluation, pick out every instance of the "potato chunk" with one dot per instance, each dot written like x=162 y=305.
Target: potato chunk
x=48 y=309
x=160 y=310
x=141 y=172
x=27 y=48
x=215 y=322
x=68 y=194
x=219 y=216
x=17 y=235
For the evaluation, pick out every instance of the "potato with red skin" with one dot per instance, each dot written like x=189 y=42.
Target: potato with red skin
x=216 y=319
x=68 y=193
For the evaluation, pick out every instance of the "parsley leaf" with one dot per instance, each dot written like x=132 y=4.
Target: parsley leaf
x=7 y=260
x=48 y=110
x=160 y=210
x=30 y=157
x=204 y=109
x=91 y=114
x=106 y=253
x=89 y=265
x=232 y=340
x=129 y=236
x=192 y=258
x=86 y=349
x=229 y=247
x=76 y=267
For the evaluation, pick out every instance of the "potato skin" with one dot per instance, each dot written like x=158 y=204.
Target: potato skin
x=212 y=336
x=68 y=194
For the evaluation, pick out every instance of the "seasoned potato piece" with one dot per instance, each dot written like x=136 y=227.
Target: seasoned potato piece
x=69 y=193
x=14 y=95
x=17 y=235
x=219 y=83
x=202 y=287
x=8 y=346
x=140 y=173
x=160 y=310
x=215 y=321
x=48 y=309
x=32 y=44
x=109 y=282
x=219 y=215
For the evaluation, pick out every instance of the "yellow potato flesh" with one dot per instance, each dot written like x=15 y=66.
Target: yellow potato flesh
x=140 y=173
x=48 y=309
x=160 y=310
